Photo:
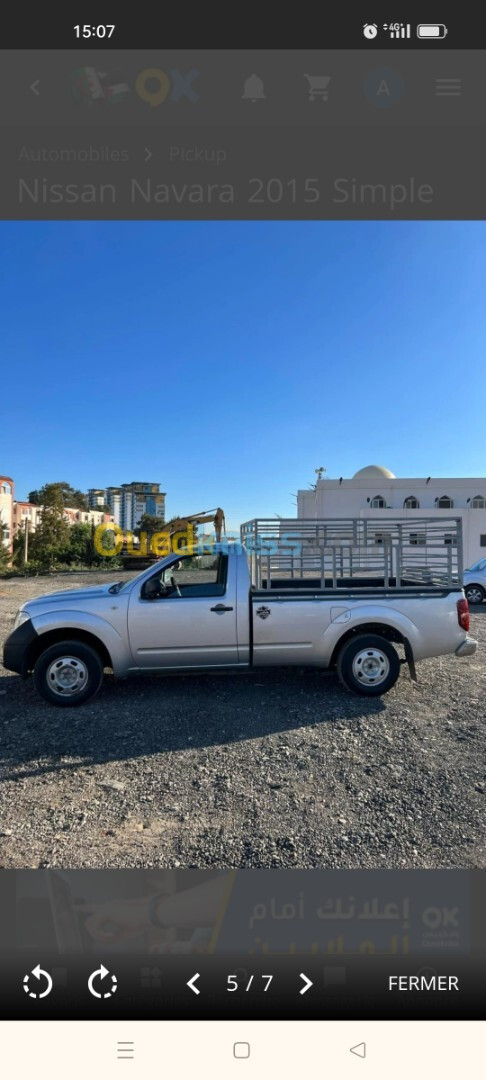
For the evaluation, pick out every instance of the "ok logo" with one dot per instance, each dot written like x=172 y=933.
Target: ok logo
x=155 y=86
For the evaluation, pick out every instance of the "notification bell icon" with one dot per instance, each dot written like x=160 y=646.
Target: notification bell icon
x=253 y=89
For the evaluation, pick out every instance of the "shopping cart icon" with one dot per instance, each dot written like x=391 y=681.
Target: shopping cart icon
x=318 y=86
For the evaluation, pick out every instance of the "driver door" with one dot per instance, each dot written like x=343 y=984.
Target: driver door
x=192 y=623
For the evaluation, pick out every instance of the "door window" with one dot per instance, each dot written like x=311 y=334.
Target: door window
x=189 y=576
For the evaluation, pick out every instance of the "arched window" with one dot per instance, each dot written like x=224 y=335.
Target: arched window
x=478 y=503
x=444 y=503
x=411 y=503
x=378 y=503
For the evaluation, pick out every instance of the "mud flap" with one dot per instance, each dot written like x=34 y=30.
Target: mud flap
x=410 y=661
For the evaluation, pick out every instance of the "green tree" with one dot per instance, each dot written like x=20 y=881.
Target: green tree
x=50 y=541
x=82 y=551
x=80 y=501
x=108 y=543
x=79 y=548
x=5 y=556
x=59 y=494
x=18 y=548
x=150 y=523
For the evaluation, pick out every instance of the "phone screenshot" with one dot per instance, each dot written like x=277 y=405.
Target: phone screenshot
x=242 y=545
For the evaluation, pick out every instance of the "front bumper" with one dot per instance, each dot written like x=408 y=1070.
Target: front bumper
x=467 y=648
x=17 y=648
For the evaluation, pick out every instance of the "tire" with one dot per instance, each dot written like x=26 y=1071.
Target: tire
x=368 y=665
x=474 y=594
x=72 y=683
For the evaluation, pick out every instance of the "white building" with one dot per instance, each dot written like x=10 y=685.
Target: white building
x=96 y=498
x=6 y=511
x=375 y=492
x=26 y=512
x=86 y=517
x=114 y=501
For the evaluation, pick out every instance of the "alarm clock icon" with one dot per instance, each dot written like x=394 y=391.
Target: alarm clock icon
x=370 y=31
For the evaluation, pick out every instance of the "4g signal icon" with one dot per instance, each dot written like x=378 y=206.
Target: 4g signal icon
x=398 y=30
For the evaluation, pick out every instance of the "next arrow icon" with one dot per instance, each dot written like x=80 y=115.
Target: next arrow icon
x=307 y=983
x=191 y=983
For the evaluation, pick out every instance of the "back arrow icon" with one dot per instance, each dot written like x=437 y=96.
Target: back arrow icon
x=307 y=982
x=102 y=971
x=39 y=974
x=33 y=86
x=191 y=985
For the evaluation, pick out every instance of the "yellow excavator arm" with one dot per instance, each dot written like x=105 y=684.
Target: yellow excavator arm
x=216 y=516
x=137 y=561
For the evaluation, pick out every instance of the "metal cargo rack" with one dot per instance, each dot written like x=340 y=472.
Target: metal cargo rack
x=362 y=552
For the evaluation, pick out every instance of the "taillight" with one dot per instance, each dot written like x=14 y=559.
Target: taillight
x=463 y=614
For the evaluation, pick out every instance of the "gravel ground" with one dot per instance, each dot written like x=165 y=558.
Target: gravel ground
x=278 y=768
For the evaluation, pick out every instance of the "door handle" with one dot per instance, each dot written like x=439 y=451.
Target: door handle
x=220 y=608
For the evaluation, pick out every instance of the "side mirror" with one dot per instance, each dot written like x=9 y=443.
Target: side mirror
x=153 y=588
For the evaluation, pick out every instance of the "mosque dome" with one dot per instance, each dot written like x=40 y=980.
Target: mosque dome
x=374 y=472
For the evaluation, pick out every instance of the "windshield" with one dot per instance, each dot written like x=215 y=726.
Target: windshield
x=480 y=565
x=127 y=581
x=124 y=582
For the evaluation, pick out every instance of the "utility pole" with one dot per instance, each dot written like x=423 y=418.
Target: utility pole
x=91 y=547
x=26 y=540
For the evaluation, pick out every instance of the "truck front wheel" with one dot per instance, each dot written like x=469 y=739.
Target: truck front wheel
x=368 y=665
x=68 y=673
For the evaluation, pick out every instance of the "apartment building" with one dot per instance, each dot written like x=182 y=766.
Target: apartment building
x=96 y=498
x=113 y=499
x=28 y=512
x=137 y=499
x=129 y=502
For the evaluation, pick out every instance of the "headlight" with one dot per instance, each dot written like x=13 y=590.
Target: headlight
x=21 y=617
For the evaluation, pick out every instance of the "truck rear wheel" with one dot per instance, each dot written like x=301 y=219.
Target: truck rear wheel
x=68 y=673
x=368 y=665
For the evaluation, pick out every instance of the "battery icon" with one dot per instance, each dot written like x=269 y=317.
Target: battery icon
x=431 y=31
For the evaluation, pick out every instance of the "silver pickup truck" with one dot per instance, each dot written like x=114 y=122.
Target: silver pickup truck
x=335 y=598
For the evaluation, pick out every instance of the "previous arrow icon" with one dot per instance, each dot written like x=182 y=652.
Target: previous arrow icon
x=191 y=983
x=307 y=983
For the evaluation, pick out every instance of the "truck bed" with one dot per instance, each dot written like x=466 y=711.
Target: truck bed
x=357 y=586
x=360 y=553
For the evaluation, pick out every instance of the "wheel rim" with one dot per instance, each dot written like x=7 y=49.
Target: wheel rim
x=67 y=676
x=474 y=596
x=371 y=667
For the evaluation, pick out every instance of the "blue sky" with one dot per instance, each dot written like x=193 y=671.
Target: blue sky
x=229 y=360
